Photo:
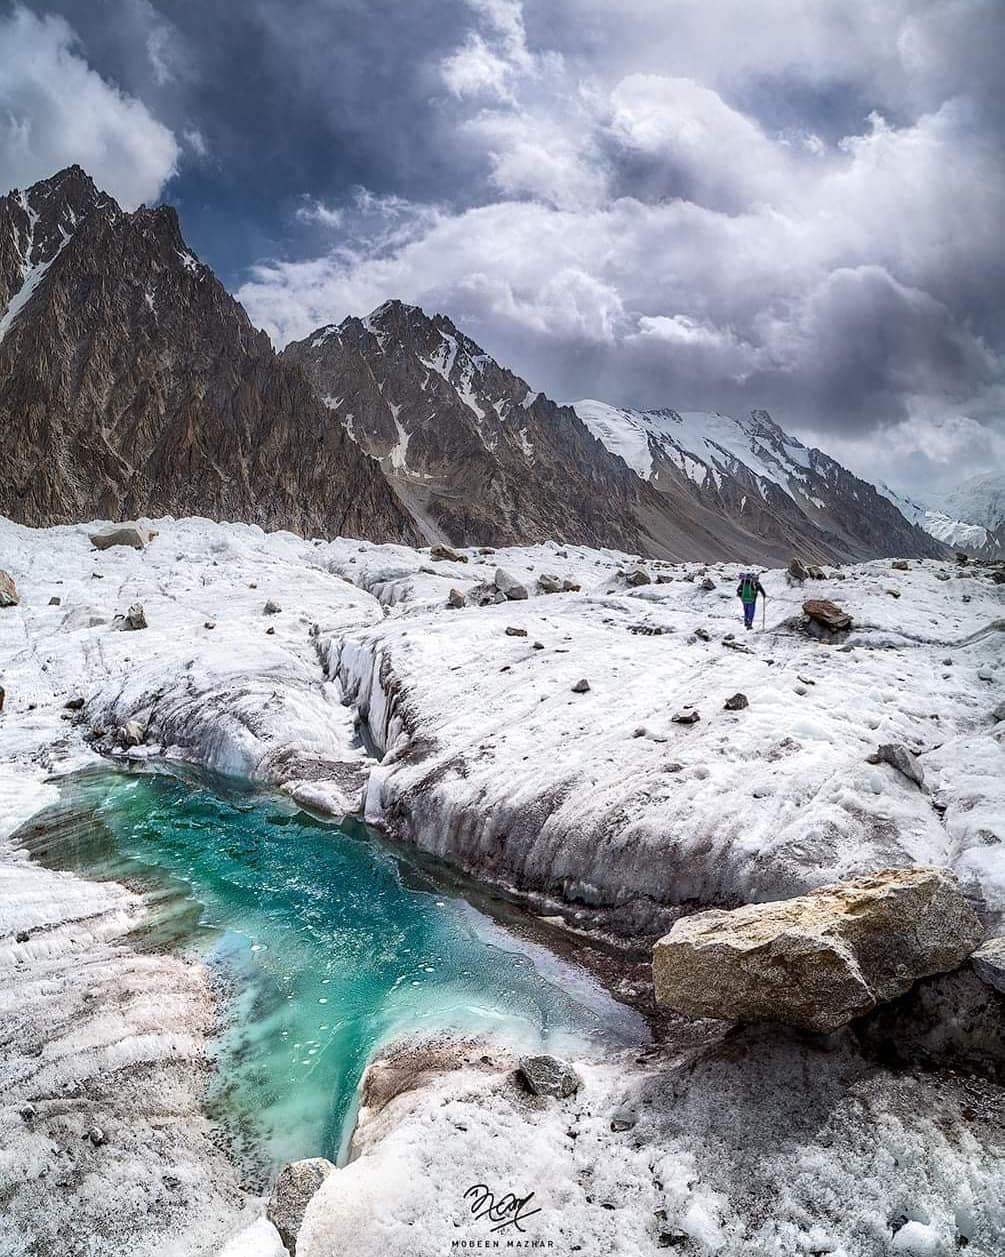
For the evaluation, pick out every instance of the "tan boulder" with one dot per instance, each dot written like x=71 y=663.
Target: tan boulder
x=819 y=960
x=8 y=591
x=134 y=535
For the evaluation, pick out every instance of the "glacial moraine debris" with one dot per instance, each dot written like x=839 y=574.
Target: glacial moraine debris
x=292 y=1192
x=548 y=1076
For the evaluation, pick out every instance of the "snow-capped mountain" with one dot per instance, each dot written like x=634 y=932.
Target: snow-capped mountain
x=970 y=518
x=750 y=471
x=131 y=382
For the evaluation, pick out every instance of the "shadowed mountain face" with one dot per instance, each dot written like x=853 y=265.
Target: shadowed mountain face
x=132 y=383
x=479 y=457
x=476 y=455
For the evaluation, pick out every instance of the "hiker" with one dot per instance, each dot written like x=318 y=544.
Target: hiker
x=747 y=591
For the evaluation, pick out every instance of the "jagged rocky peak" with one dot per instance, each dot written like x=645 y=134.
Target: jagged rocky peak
x=132 y=382
x=477 y=455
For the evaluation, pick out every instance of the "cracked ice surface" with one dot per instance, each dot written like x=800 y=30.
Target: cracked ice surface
x=600 y=798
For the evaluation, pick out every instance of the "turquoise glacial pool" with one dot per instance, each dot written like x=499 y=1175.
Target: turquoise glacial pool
x=326 y=944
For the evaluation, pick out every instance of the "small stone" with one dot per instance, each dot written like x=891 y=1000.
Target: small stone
x=570 y=587
x=800 y=690
x=132 y=733
x=581 y=687
x=271 y=608
x=548 y=1076
x=515 y=632
x=8 y=591
x=703 y=634
x=509 y=586
x=947 y=663
x=816 y=573
x=444 y=554
x=989 y=963
x=637 y=577
x=21 y=936
x=136 y=536
x=899 y=757
x=292 y=1192
x=537 y=646
x=686 y=718
x=97 y=1136
x=900 y=565
x=75 y=704
x=985 y=674
x=209 y=624
x=622 y=1123
x=455 y=599
x=27 y=1112
x=999 y=712
x=55 y=600
x=708 y=584
x=894 y=593
x=736 y=703
x=134 y=619
x=270 y=632
x=966 y=597
x=549 y=584
x=3 y=697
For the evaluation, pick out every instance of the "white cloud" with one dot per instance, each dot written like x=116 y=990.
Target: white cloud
x=318 y=213
x=55 y=110
x=196 y=141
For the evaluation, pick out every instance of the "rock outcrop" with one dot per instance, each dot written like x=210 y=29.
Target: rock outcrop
x=132 y=383
x=8 y=591
x=819 y=960
x=295 y=1184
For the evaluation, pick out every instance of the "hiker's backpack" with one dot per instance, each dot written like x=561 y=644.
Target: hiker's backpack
x=748 y=587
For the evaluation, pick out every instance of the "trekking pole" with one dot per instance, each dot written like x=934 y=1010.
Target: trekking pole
x=764 y=610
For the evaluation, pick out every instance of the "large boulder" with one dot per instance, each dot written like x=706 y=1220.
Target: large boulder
x=134 y=535
x=509 y=585
x=296 y=1184
x=819 y=960
x=8 y=591
x=989 y=963
x=827 y=614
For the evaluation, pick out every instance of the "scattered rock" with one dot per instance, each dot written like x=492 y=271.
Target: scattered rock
x=827 y=614
x=132 y=733
x=445 y=554
x=270 y=632
x=537 y=646
x=548 y=1076
x=997 y=714
x=795 y=570
x=998 y=576
x=989 y=963
x=21 y=936
x=55 y=600
x=133 y=535
x=570 y=587
x=622 y=1123
x=985 y=674
x=75 y=704
x=686 y=718
x=515 y=632
x=736 y=703
x=901 y=565
x=8 y=591
x=637 y=577
x=292 y=1192
x=899 y=757
x=708 y=584
x=819 y=960
x=134 y=619
x=581 y=687
x=455 y=599
x=549 y=584
x=3 y=697
x=894 y=593
x=271 y=608
x=510 y=586
x=97 y=1136
x=817 y=573
x=703 y=634
x=210 y=624
x=27 y=1112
